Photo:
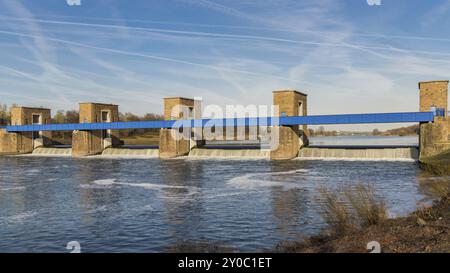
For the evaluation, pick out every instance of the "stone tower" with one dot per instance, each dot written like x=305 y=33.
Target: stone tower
x=291 y=138
x=175 y=109
x=86 y=143
x=25 y=142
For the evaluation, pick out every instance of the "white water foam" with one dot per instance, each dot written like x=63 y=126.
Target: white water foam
x=105 y=181
x=13 y=188
x=226 y=194
x=17 y=218
x=249 y=181
x=95 y=209
x=149 y=186
x=32 y=171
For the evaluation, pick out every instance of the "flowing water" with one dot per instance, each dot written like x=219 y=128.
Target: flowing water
x=150 y=205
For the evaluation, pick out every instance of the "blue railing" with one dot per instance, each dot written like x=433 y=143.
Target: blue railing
x=262 y=121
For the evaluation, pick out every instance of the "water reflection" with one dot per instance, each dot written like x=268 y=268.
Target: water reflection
x=183 y=208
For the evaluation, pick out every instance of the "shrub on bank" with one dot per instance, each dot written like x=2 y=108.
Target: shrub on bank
x=352 y=207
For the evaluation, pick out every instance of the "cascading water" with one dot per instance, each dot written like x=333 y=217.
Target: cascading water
x=227 y=153
x=52 y=151
x=124 y=152
x=394 y=154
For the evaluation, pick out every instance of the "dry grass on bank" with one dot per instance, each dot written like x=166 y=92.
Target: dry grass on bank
x=425 y=230
x=350 y=208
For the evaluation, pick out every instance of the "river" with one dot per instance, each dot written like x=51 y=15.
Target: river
x=150 y=205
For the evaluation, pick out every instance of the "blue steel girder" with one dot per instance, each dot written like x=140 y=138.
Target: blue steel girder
x=260 y=121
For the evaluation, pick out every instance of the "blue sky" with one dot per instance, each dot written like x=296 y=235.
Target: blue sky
x=348 y=56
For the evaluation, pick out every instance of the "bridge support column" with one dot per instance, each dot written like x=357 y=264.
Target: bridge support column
x=85 y=143
x=174 y=142
x=25 y=142
x=291 y=138
x=434 y=138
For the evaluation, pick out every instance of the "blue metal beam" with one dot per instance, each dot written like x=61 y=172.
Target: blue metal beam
x=262 y=121
x=359 y=118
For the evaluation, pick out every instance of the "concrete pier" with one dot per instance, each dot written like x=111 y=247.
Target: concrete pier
x=175 y=108
x=85 y=143
x=25 y=142
x=291 y=138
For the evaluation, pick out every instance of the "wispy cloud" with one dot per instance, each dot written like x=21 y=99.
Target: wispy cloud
x=234 y=52
x=435 y=14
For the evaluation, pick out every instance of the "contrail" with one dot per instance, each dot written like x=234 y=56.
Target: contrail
x=237 y=36
x=122 y=52
x=374 y=35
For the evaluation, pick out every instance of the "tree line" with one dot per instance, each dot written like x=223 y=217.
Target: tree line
x=403 y=131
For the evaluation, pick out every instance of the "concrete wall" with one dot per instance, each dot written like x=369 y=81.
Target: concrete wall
x=170 y=147
x=85 y=143
x=15 y=143
x=434 y=137
x=8 y=142
x=290 y=103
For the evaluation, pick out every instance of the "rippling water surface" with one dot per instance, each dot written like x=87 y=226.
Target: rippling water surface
x=150 y=205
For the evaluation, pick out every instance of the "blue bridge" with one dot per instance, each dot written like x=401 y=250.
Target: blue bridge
x=404 y=117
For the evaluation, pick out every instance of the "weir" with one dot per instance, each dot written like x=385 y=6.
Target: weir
x=394 y=154
x=97 y=130
x=130 y=153
x=229 y=153
x=51 y=151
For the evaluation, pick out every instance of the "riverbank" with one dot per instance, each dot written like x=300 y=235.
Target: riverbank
x=424 y=231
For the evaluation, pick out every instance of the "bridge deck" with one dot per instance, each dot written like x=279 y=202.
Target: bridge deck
x=261 y=121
